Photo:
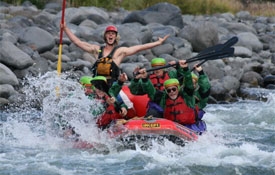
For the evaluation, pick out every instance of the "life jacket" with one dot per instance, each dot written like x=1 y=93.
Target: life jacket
x=105 y=66
x=178 y=111
x=159 y=81
x=200 y=125
x=107 y=117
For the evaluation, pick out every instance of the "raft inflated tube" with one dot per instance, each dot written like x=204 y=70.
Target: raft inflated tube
x=139 y=101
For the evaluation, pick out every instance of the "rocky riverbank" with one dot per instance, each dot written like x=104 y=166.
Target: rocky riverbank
x=29 y=43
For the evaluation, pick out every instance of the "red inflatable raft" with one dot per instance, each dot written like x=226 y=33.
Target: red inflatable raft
x=143 y=131
x=139 y=101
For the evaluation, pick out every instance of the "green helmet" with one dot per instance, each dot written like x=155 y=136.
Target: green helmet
x=158 y=62
x=99 y=78
x=100 y=82
x=171 y=82
x=85 y=80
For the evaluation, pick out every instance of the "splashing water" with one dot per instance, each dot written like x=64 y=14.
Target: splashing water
x=240 y=138
x=62 y=104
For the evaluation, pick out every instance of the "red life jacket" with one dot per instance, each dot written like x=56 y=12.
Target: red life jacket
x=107 y=117
x=178 y=111
x=159 y=81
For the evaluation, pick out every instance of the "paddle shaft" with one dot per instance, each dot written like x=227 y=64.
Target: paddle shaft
x=198 y=65
x=59 y=61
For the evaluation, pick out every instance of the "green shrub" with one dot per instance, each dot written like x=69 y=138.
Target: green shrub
x=194 y=7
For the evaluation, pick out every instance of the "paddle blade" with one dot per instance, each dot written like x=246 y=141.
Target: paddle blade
x=211 y=49
x=228 y=52
x=230 y=42
x=219 y=47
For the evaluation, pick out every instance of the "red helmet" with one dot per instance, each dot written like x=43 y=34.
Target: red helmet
x=110 y=28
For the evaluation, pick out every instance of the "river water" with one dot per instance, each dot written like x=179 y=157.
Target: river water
x=240 y=138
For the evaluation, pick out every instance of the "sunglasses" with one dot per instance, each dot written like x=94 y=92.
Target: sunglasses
x=171 y=90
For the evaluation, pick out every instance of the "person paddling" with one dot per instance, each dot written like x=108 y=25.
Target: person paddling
x=106 y=97
x=178 y=104
x=202 y=92
x=110 y=55
x=113 y=109
x=157 y=77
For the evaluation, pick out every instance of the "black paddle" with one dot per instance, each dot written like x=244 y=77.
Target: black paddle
x=219 y=47
x=212 y=53
x=230 y=52
x=227 y=52
x=227 y=44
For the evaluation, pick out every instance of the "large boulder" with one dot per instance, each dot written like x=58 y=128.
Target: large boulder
x=38 y=39
x=163 y=13
x=250 y=41
x=7 y=76
x=6 y=90
x=14 y=57
x=201 y=35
